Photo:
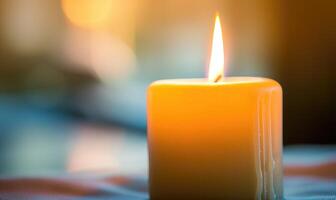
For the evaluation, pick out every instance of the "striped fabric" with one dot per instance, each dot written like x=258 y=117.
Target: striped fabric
x=310 y=175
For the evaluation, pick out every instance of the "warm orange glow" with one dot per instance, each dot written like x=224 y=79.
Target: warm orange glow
x=101 y=14
x=87 y=13
x=216 y=65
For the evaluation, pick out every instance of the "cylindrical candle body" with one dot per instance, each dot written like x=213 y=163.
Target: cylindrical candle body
x=215 y=140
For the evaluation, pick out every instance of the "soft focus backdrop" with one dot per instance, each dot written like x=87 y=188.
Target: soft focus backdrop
x=73 y=73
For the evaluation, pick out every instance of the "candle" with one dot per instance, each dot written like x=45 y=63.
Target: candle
x=219 y=138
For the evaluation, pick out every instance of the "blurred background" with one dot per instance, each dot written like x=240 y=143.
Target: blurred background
x=73 y=73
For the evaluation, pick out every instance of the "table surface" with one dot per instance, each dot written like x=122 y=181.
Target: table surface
x=310 y=173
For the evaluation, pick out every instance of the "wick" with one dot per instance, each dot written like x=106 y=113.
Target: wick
x=219 y=77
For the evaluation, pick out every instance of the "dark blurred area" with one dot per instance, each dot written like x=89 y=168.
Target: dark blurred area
x=73 y=73
x=307 y=63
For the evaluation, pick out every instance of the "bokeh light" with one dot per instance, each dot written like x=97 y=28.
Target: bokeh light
x=95 y=14
x=87 y=13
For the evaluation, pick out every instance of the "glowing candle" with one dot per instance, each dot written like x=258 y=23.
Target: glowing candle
x=219 y=138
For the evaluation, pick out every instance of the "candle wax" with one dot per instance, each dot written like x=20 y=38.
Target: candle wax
x=218 y=140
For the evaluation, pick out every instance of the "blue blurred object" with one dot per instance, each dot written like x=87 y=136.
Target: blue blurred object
x=123 y=104
x=40 y=135
x=33 y=134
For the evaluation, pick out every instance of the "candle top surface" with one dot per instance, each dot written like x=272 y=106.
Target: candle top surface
x=204 y=82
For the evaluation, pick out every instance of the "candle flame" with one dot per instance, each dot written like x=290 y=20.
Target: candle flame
x=216 y=65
